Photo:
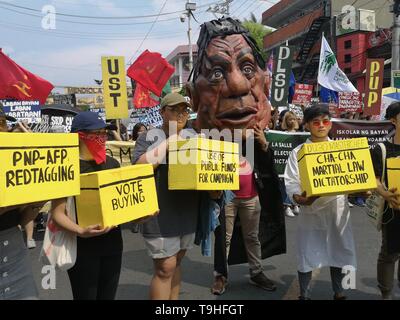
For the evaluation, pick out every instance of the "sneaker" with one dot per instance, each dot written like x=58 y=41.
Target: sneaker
x=135 y=228
x=296 y=210
x=289 y=212
x=30 y=243
x=260 y=280
x=219 y=285
x=339 y=297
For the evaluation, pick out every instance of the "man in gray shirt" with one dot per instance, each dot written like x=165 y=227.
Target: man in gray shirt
x=168 y=235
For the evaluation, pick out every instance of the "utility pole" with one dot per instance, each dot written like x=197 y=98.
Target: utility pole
x=396 y=36
x=190 y=6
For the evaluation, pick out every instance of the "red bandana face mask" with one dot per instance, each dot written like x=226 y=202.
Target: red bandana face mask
x=96 y=144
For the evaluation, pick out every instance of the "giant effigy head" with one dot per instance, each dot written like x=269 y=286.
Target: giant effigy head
x=228 y=83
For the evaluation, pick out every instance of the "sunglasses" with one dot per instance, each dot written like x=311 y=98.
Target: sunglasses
x=317 y=123
x=176 y=112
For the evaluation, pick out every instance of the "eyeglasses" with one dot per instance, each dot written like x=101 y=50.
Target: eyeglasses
x=176 y=112
x=317 y=123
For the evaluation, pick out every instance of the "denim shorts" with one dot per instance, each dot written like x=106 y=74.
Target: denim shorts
x=159 y=248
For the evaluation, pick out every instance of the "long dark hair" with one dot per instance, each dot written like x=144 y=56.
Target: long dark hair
x=222 y=27
x=135 y=130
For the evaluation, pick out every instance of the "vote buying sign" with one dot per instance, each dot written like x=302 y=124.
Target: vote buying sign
x=336 y=167
x=203 y=164
x=37 y=167
x=116 y=196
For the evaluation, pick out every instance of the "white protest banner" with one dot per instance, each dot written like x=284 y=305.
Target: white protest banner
x=350 y=102
x=152 y=117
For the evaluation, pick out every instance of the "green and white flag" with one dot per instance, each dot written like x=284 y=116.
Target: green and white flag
x=329 y=74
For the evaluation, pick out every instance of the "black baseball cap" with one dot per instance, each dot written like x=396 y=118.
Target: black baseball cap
x=88 y=120
x=392 y=111
x=3 y=114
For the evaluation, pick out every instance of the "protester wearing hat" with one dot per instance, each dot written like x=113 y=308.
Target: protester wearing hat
x=96 y=272
x=168 y=235
x=3 y=120
x=390 y=248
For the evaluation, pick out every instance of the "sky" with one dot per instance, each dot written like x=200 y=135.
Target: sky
x=70 y=54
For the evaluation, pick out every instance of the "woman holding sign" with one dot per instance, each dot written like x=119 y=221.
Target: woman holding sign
x=95 y=275
x=324 y=234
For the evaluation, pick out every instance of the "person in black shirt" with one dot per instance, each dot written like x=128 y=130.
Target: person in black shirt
x=390 y=249
x=96 y=272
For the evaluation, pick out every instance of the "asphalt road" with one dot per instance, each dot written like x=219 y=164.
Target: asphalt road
x=197 y=271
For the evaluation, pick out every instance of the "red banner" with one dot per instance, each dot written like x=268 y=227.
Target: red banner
x=350 y=102
x=16 y=83
x=142 y=98
x=302 y=94
x=152 y=71
x=373 y=87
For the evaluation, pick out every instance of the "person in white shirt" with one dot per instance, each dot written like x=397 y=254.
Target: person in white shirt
x=324 y=233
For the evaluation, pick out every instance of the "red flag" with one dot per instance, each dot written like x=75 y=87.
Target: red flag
x=152 y=71
x=142 y=98
x=19 y=84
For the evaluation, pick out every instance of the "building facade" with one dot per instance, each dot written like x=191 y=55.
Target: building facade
x=179 y=58
x=354 y=33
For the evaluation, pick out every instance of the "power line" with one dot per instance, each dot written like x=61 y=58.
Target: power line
x=87 y=23
x=151 y=28
x=247 y=8
x=105 y=6
x=96 y=17
x=80 y=35
x=55 y=67
x=77 y=36
x=245 y=1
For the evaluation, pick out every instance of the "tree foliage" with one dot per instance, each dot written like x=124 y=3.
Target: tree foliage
x=257 y=30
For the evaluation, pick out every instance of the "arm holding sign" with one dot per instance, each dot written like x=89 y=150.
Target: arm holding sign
x=58 y=209
x=392 y=196
x=292 y=181
x=260 y=137
x=147 y=152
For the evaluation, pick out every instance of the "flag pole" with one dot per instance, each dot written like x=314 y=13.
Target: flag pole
x=323 y=35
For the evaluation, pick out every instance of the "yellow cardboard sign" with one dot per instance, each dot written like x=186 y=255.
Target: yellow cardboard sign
x=37 y=167
x=393 y=171
x=114 y=87
x=203 y=164
x=116 y=196
x=336 y=167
